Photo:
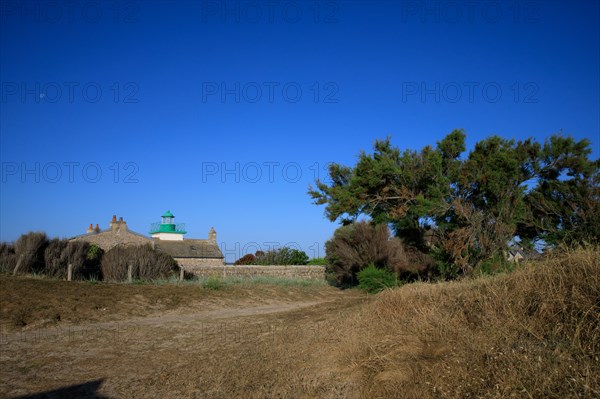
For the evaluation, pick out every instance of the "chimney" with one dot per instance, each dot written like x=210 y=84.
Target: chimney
x=97 y=229
x=90 y=229
x=212 y=235
x=113 y=222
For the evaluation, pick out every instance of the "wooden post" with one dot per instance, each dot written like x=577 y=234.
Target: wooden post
x=129 y=272
x=69 y=271
x=181 y=273
x=19 y=261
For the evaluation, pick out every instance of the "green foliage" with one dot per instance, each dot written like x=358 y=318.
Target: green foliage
x=564 y=206
x=394 y=187
x=317 y=261
x=475 y=204
x=373 y=280
x=494 y=265
x=213 y=283
x=444 y=269
x=281 y=256
x=249 y=281
x=94 y=253
x=297 y=257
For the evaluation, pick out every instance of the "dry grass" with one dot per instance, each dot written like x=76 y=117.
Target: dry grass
x=259 y=341
x=37 y=302
x=531 y=334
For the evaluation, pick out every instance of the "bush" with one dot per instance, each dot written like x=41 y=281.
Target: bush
x=357 y=245
x=374 y=280
x=297 y=257
x=494 y=265
x=281 y=256
x=83 y=256
x=213 y=283
x=29 y=249
x=317 y=262
x=443 y=268
x=147 y=263
x=94 y=253
x=93 y=260
x=424 y=263
x=55 y=263
x=8 y=257
x=247 y=259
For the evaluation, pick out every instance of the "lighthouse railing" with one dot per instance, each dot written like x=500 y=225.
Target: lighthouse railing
x=155 y=228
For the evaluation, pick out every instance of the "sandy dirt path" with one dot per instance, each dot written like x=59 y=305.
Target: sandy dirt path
x=273 y=348
x=179 y=316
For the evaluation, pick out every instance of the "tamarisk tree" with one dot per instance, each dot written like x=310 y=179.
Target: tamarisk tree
x=471 y=205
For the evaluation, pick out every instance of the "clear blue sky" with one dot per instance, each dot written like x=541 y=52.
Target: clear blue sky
x=225 y=112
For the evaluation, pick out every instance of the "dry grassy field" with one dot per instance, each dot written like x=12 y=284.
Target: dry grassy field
x=534 y=333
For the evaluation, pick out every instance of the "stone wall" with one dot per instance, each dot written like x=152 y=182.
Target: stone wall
x=190 y=264
x=298 y=272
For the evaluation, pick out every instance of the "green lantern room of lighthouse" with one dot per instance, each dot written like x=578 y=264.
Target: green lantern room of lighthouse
x=167 y=229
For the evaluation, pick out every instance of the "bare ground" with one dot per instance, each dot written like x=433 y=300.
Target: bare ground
x=125 y=341
x=533 y=333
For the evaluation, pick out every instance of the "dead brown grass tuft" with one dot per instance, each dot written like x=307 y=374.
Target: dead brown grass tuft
x=534 y=333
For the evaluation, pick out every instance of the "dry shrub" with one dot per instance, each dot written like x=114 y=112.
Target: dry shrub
x=418 y=261
x=357 y=245
x=8 y=257
x=60 y=253
x=29 y=249
x=534 y=333
x=77 y=254
x=147 y=263
x=152 y=264
x=247 y=259
x=55 y=264
x=114 y=264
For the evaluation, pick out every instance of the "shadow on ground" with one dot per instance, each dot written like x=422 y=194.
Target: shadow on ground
x=87 y=390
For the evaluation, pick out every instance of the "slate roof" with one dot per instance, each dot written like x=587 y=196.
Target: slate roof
x=189 y=248
x=517 y=253
x=107 y=239
x=107 y=231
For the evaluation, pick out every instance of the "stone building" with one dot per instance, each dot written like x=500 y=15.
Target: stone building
x=166 y=236
x=188 y=252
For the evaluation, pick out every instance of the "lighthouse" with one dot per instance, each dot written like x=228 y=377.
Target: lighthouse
x=167 y=230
